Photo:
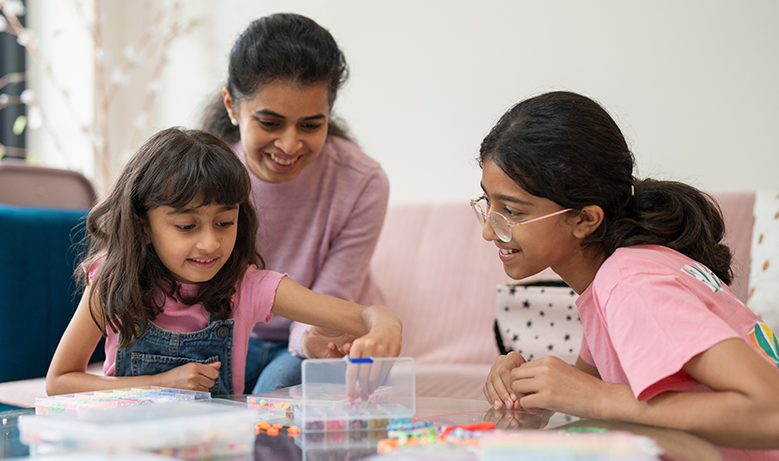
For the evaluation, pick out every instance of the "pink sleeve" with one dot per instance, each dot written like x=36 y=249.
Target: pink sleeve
x=93 y=269
x=585 y=354
x=656 y=325
x=343 y=274
x=258 y=293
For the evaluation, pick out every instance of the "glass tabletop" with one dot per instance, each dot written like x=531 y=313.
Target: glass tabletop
x=440 y=411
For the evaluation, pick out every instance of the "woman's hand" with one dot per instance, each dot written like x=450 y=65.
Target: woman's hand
x=323 y=343
x=193 y=376
x=497 y=389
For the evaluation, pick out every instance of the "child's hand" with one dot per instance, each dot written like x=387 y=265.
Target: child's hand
x=384 y=335
x=498 y=389
x=193 y=376
x=553 y=384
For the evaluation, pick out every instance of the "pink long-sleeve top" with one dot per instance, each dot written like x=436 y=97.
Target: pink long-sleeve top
x=321 y=228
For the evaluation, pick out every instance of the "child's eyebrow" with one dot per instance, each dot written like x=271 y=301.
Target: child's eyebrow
x=506 y=198
x=193 y=210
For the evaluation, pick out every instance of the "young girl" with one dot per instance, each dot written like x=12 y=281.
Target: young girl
x=665 y=341
x=175 y=283
x=275 y=111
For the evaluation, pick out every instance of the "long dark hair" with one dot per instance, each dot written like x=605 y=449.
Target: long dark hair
x=565 y=147
x=173 y=168
x=280 y=47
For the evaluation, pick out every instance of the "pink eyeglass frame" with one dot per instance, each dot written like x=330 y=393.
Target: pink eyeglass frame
x=483 y=221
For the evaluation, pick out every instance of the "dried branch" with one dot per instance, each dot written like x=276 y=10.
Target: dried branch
x=140 y=47
x=13 y=77
x=26 y=40
x=174 y=32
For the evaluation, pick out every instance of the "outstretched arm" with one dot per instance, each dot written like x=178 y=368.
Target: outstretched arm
x=378 y=329
x=347 y=262
x=741 y=412
x=67 y=372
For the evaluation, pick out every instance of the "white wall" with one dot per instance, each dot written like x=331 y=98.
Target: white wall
x=693 y=83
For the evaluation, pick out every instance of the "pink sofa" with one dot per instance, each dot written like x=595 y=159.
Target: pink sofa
x=440 y=277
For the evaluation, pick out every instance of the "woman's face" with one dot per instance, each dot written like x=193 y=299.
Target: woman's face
x=283 y=128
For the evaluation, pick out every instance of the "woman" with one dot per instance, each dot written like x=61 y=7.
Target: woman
x=321 y=200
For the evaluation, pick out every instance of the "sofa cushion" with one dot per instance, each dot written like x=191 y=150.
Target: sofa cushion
x=764 y=272
x=538 y=319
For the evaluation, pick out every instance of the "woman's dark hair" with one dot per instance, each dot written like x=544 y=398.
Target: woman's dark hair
x=565 y=147
x=280 y=47
x=173 y=168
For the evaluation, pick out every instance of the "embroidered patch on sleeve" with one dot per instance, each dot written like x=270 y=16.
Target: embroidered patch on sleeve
x=765 y=341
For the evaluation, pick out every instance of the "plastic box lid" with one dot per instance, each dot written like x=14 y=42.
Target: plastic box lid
x=143 y=428
x=115 y=398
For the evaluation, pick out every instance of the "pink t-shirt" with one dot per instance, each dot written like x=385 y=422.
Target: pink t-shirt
x=321 y=228
x=252 y=303
x=650 y=310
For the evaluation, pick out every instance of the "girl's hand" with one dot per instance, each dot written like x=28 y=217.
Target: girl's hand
x=384 y=335
x=193 y=376
x=552 y=384
x=497 y=389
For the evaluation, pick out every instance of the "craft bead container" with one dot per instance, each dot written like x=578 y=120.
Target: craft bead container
x=186 y=430
x=355 y=394
x=115 y=398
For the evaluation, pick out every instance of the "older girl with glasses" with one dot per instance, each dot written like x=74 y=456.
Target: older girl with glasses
x=322 y=200
x=666 y=343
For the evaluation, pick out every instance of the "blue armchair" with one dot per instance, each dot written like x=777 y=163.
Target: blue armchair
x=38 y=294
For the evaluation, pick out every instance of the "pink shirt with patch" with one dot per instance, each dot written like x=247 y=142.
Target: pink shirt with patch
x=252 y=303
x=650 y=310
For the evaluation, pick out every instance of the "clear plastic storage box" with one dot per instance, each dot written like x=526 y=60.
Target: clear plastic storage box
x=347 y=394
x=186 y=430
x=115 y=398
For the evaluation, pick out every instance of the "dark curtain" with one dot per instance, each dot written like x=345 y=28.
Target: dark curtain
x=12 y=59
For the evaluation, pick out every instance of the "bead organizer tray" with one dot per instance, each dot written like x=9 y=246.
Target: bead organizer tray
x=345 y=394
x=115 y=398
x=355 y=394
x=290 y=398
x=186 y=430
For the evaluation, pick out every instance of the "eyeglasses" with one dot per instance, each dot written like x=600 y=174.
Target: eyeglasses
x=500 y=224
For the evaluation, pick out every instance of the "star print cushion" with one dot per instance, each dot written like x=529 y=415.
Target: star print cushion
x=538 y=319
x=650 y=310
x=764 y=270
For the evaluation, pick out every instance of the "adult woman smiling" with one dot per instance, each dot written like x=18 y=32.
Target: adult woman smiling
x=320 y=199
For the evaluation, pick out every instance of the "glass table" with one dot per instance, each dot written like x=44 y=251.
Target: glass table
x=678 y=446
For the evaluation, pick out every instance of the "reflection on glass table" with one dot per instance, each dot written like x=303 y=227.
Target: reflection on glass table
x=348 y=445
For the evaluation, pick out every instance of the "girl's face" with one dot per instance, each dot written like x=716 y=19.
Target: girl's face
x=283 y=128
x=533 y=247
x=194 y=242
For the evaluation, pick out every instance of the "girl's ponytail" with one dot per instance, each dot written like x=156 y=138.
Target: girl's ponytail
x=677 y=216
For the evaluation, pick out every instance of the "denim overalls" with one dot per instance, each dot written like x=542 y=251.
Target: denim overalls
x=160 y=350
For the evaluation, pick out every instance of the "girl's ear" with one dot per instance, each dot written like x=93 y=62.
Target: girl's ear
x=588 y=220
x=146 y=233
x=228 y=102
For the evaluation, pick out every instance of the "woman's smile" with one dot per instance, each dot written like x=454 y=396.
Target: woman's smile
x=284 y=161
